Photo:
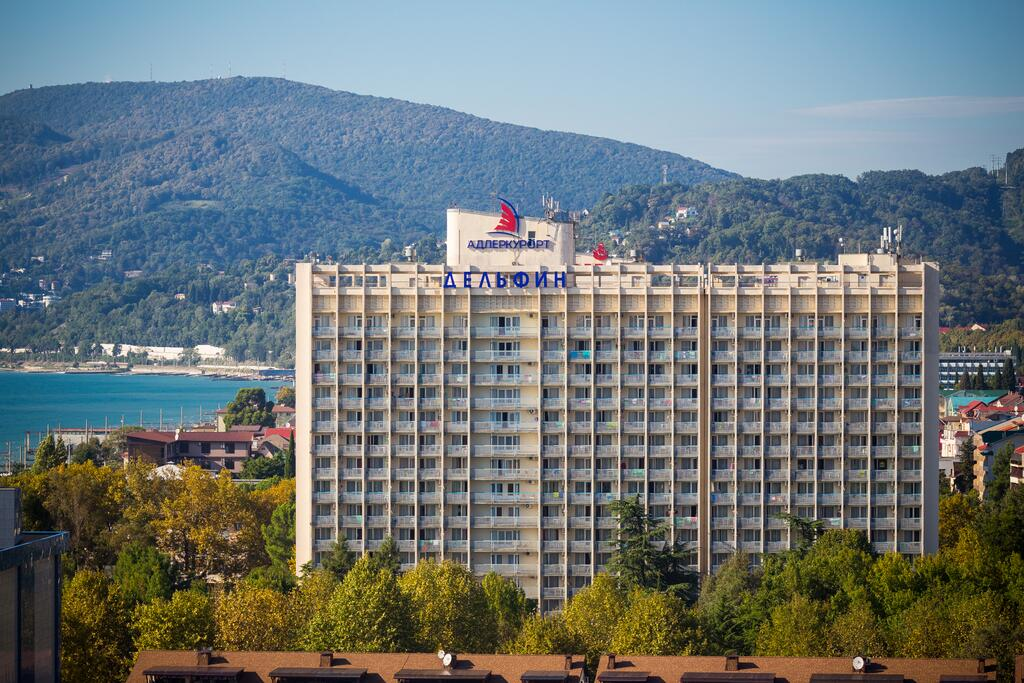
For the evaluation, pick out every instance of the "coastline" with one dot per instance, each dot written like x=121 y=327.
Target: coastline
x=214 y=371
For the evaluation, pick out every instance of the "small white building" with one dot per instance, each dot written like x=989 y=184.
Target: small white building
x=223 y=306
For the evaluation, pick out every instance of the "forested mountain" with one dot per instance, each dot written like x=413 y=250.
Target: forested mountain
x=206 y=189
x=970 y=222
x=242 y=167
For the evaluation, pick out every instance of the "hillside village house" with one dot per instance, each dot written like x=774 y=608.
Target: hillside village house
x=210 y=450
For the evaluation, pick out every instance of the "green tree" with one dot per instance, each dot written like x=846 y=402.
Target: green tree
x=209 y=526
x=1001 y=527
x=289 y=458
x=34 y=491
x=264 y=468
x=996 y=489
x=86 y=501
x=592 y=615
x=96 y=645
x=279 y=535
x=254 y=618
x=387 y=556
x=143 y=574
x=963 y=468
x=275 y=577
x=637 y=562
x=542 y=635
x=956 y=513
x=508 y=604
x=340 y=560
x=857 y=632
x=728 y=615
x=285 y=396
x=944 y=623
x=48 y=456
x=184 y=622
x=806 y=531
x=794 y=629
x=90 y=449
x=980 y=381
x=310 y=598
x=655 y=623
x=250 y=407
x=368 y=612
x=1007 y=378
x=893 y=584
x=450 y=608
x=116 y=443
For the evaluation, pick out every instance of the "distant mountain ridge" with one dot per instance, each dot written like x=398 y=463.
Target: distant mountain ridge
x=277 y=166
x=971 y=222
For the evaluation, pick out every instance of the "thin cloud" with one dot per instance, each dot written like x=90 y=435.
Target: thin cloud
x=953 y=106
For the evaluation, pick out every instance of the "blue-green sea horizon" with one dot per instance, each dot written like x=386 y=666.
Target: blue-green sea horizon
x=35 y=401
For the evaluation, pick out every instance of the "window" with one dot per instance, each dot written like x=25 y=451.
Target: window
x=229 y=448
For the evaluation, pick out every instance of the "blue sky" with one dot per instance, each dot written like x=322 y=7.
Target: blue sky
x=767 y=89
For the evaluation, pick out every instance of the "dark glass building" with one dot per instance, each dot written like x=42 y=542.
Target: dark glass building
x=29 y=597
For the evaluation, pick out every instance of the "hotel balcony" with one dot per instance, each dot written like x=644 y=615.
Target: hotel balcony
x=505 y=331
x=503 y=379
x=484 y=522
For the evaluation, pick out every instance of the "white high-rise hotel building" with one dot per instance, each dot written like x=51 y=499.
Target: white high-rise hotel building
x=489 y=410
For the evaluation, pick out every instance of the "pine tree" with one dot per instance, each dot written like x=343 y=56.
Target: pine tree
x=388 y=556
x=996 y=489
x=289 y=458
x=340 y=560
x=47 y=455
x=1007 y=377
x=979 y=380
x=963 y=468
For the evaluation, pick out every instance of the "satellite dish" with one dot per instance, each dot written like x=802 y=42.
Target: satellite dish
x=448 y=659
x=859 y=663
x=440 y=655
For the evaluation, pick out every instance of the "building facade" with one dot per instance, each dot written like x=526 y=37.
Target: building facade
x=30 y=587
x=215 y=451
x=953 y=365
x=491 y=409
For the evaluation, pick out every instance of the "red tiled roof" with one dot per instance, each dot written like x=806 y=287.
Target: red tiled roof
x=283 y=409
x=215 y=436
x=152 y=435
x=286 y=432
x=382 y=667
x=171 y=437
x=791 y=669
x=972 y=405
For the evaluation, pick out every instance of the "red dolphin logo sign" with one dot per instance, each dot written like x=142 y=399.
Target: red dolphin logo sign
x=601 y=254
x=509 y=221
